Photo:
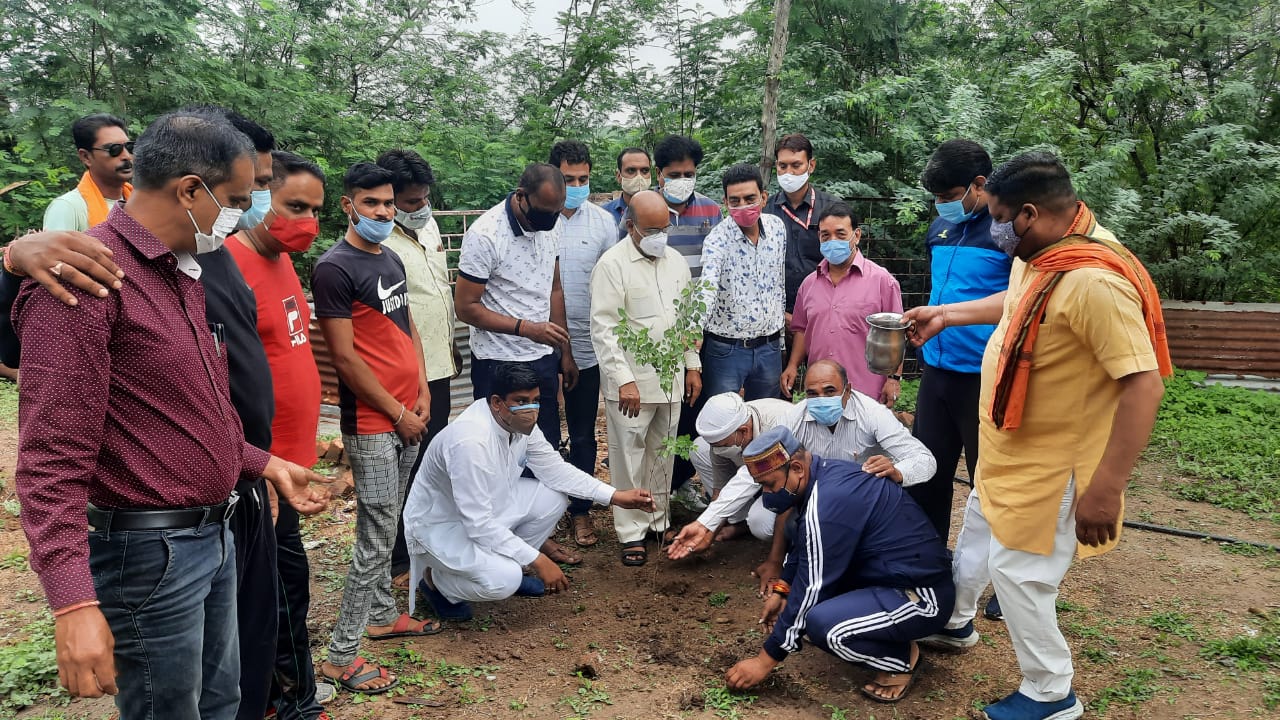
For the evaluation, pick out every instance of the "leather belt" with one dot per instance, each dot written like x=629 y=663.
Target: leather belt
x=106 y=519
x=748 y=344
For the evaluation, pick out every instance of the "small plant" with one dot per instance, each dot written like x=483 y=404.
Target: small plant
x=560 y=644
x=725 y=702
x=13 y=507
x=1173 y=623
x=1271 y=692
x=586 y=699
x=1064 y=606
x=29 y=668
x=1138 y=686
x=837 y=713
x=718 y=599
x=16 y=560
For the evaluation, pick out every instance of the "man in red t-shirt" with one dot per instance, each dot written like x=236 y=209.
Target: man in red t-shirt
x=262 y=253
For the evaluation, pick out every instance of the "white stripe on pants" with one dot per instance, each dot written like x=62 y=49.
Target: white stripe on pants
x=634 y=463
x=1027 y=585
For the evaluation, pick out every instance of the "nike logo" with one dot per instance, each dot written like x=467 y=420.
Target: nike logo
x=384 y=293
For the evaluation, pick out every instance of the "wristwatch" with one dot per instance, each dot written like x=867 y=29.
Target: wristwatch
x=895 y=377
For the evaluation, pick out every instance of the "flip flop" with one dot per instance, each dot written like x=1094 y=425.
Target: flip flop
x=352 y=678
x=634 y=553
x=903 y=689
x=584 y=533
x=404 y=627
x=560 y=555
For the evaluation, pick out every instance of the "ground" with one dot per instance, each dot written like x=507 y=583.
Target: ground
x=1164 y=627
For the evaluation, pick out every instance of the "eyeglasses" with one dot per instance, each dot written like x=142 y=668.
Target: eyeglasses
x=114 y=149
x=656 y=231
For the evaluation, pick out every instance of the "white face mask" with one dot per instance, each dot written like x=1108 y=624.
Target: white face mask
x=792 y=183
x=225 y=224
x=728 y=451
x=655 y=246
x=415 y=220
x=678 y=190
x=635 y=184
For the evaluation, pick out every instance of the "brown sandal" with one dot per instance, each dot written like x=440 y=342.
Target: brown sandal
x=559 y=554
x=584 y=532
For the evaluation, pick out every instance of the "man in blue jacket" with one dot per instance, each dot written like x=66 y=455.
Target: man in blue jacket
x=866 y=577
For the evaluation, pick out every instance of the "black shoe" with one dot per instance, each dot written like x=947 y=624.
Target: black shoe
x=992 y=612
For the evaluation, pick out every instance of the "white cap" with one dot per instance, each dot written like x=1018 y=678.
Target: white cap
x=722 y=414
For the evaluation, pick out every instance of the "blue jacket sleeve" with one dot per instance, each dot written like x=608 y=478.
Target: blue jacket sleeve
x=9 y=346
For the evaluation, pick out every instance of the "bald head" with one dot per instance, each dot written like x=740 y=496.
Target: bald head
x=649 y=210
x=825 y=374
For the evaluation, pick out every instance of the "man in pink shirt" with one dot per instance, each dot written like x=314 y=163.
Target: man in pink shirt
x=832 y=305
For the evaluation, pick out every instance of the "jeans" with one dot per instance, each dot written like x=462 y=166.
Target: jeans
x=169 y=597
x=440 y=406
x=256 y=581
x=295 y=675
x=730 y=368
x=946 y=422
x=548 y=369
x=581 y=405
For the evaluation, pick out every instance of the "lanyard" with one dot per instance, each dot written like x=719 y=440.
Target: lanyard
x=813 y=194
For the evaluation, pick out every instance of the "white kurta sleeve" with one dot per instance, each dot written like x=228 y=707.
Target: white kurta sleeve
x=471 y=469
x=909 y=455
x=734 y=497
x=556 y=473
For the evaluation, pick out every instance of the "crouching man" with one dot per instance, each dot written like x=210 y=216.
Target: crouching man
x=867 y=576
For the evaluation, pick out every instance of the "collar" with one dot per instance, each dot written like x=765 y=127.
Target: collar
x=516 y=228
x=142 y=239
x=779 y=199
x=188 y=265
x=503 y=434
x=859 y=262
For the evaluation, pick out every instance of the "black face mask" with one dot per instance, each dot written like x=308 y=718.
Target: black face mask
x=539 y=220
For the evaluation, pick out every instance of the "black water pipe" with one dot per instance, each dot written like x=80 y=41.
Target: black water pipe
x=1196 y=535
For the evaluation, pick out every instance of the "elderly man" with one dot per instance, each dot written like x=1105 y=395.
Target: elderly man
x=103 y=146
x=476 y=519
x=644 y=278
x=868 y=575
x=1054 y=464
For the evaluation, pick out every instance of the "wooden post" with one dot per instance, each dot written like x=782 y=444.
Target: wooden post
x=769 y=117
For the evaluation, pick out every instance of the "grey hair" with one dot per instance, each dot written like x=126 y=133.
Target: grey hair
x=184 y=143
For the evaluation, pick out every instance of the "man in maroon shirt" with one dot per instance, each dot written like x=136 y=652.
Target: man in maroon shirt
x=126 y=412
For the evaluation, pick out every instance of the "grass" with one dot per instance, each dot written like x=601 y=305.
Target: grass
x=718 y=599
x=726 y=703
x=8 y=401
x=588 y=698
x=1172 y=623
x=1253 y=651
x=1138 y=686
x=29 y=667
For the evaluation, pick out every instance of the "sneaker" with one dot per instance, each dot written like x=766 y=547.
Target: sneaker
x=531 y=586
x=957 y=639
x=992 y=611
x=690 y=498
x=1020 y=707
x=445 y=610
x=326 y=692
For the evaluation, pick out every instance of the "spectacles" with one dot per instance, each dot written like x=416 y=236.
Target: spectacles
x=656 y=231
x=114 y=149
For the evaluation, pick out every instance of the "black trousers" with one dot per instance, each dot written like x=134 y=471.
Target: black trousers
x=947 y=423
x=294 y=691
x=581 y=407
x=255 y=596
x=441 y=404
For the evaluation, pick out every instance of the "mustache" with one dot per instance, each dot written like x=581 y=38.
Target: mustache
x=126 y=165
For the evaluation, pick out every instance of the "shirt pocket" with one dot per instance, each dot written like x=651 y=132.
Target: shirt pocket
x=643 y=302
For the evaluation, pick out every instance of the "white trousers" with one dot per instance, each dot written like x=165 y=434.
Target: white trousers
x=492 y=576
x=1027 y=585
x=634 y=462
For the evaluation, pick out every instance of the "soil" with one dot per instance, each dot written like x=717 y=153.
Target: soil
x=655 y=641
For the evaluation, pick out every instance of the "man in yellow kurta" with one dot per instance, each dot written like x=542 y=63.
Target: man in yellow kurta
x=1071 y=381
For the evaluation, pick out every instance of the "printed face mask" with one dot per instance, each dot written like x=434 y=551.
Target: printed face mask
x=223 y=225
x=1003 y=235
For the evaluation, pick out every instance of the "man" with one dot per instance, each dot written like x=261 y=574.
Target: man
x=586 y=232
x=508 y=290
x=643 y=278
x=742 y=275
x=725 y=426
x=634 y=175
x=363 y=308
x=477 y=518
x=415 y=239
x=283 y=319
x=800 y=206
x=103 y=146
x=867 y=577
x=832 y=305
x=124 y=363
x=1054 y=464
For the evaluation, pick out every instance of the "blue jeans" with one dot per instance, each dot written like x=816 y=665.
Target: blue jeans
x=730 y=368
x=581 y=406
x=169 y=597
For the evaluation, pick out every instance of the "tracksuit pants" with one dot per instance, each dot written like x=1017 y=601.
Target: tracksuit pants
x=874 y=626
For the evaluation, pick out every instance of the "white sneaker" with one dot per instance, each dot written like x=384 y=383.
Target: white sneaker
x=957 y=639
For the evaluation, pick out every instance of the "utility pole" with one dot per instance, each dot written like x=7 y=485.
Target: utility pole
x=769 y=118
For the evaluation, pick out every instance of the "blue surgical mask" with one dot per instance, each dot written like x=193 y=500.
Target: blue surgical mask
x=524 y=408
x=836 y=251
x=780 y=500
x=953 y=212
x=575 y=195
x=826 y=410
x=1005 y=238
x=374 y=231
x=250 y=218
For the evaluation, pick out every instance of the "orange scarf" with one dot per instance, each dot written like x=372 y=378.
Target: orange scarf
x=93 y=199
x=1014 y=368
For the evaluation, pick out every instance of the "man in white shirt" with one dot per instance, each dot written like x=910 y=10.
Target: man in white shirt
x=476 y=520
x=586 y=232
x=742 y=265
x=644 y=278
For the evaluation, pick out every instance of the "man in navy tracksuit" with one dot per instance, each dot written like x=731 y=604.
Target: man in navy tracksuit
x=866 y=576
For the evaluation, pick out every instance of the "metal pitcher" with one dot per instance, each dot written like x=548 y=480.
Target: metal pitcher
x=886 y=342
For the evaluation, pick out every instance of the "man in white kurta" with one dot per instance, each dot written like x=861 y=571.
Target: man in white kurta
x=471 y=516
x=644 y=278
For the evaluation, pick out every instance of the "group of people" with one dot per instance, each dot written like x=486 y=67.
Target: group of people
x=170 y=403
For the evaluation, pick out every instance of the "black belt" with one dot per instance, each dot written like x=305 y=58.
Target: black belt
x=106 y=519
x=749 y=343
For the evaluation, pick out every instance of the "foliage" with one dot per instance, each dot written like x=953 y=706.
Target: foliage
x=8 y=401
x=1138 y=686
x=29 y=667
x=907 y=396
x=666 y=354
x=725 y=702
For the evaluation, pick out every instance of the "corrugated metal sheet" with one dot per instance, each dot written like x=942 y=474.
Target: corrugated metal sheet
x=1229 y=338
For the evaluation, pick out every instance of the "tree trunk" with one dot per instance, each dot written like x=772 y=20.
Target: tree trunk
x=769 y=118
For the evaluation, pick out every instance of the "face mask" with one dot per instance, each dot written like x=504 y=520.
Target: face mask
x=780 y=500
x=727 y=451
x=251 y=218
x=633 y=185
x=223 y=225
x=574 y=196
x=540 y=220
x=745 y=216
x=655 y=246
x=294 y=234
x=1003 y=235
x=374 y=231
x=836 y=251
x=415 y=220
x=826 y=411
x=792 y=183
x=524 y=417
x=678 y=190
x=953 y=212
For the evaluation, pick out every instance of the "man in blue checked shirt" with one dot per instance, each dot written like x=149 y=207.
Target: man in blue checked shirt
x=867 y=576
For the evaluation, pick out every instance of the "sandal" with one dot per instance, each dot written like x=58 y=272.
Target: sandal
x=665 y=537
x=351 y=679
x=902 y=688
x=634 y=553
x=406 y=626
x=559 y=554
x=401 y=581
x=584 y=532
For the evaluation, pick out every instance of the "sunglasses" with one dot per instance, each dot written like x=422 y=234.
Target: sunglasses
x=114 y=149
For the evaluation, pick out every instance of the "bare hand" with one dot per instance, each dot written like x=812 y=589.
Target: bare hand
x=773 y=605
x=84 y=646
x=546 y=333
x=629 y=400
x=411 y=427
x=929 y=320
x=1098 y=515
x=788 y=380
x=692 y=386
x=273 y=499
x=881 y=466
x=80 y=260
x=767 y=572
x=569 y=368
x=422 y=406
x=293 y=482
x=749 y=673
x=693 y=538
x=635 y=499
x=550 y=574
x=889 y=393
